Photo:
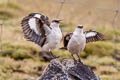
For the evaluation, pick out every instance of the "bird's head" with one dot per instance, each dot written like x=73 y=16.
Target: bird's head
x=80 y=26
x=79 y=29
x=45 y=20
x=56 y=21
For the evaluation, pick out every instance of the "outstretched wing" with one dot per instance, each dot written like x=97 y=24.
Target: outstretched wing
x=67 y=37
x=92 y=36
x=33 y=27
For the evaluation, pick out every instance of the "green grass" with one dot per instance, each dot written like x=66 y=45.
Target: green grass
x=17 y=51
x=100 y=48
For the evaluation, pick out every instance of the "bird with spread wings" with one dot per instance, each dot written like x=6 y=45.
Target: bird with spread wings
x=38 y=29
x=76 y=41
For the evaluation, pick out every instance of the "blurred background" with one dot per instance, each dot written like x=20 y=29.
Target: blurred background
x=20 y=59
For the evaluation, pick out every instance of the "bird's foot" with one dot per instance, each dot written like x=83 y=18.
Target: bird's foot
x=75 y=61
x=79 y=60
x=56 y=57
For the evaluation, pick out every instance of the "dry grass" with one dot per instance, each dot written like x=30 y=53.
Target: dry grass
x=20 y=70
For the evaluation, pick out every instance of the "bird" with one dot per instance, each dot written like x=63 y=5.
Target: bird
x=76 y=41
x=38 y=29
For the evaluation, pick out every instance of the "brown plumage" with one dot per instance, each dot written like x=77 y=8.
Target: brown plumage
x=29 y=33
x=94 y=38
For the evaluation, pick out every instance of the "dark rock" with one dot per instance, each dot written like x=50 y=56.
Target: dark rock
x=67 y=70
x=79 y=70
x=55 y=71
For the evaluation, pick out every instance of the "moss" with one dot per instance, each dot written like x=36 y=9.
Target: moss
x=18 y=51
x=20 y=56
x=100 y=48
x=62 y=53
x=106 y=61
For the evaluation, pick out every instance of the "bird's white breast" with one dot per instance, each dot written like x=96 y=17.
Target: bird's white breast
x=55 y=36
x=77 y=43
x=53 y=39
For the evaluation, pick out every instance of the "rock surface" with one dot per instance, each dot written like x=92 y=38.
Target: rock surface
x=67 y=70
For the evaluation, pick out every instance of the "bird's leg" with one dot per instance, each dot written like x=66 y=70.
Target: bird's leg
x=51 y=53
x=78 y=58
x=74 y=58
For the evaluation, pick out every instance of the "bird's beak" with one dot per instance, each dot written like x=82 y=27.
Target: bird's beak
x=59 y=21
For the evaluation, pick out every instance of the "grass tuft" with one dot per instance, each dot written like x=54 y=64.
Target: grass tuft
x=17 y=51
x=5 y=15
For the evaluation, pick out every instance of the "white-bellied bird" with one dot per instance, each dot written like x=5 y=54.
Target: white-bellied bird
x=75 y=42
x=37 y=28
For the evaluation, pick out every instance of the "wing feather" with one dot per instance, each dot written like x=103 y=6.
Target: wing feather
x=32 y=26
x=66 y=39
x=92 y=36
